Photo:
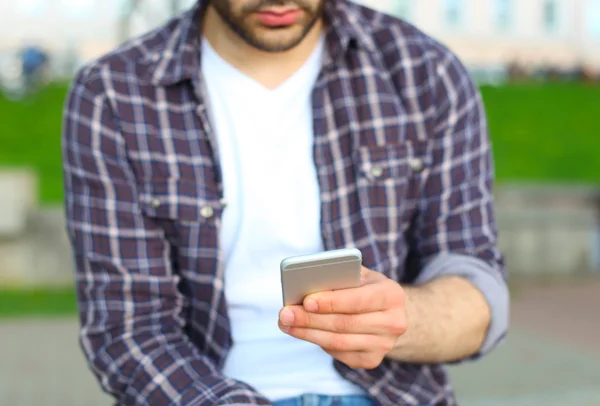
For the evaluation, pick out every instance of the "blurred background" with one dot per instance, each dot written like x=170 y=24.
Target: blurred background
x=538 y=65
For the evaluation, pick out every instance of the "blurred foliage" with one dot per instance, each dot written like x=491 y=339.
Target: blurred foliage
x=37 y=302
x=541 y=133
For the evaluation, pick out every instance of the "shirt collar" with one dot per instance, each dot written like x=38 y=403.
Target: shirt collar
x=347 y=27
x=180 y=59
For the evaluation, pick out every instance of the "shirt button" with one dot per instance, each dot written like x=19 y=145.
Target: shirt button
x=223 y=203
x=376 y=171
x=155 y=203
x=207 y=212
x=416 y=164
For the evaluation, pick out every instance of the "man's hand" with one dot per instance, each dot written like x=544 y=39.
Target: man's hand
x=358 y=327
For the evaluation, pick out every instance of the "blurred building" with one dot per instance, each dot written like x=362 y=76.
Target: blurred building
x=486 y=33
x=81 y=29
x=59 y=25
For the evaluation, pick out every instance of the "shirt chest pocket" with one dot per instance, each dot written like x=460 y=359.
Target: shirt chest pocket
x=388 y=180
x=188 y=213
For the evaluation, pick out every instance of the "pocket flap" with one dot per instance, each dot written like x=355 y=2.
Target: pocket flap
x=391 y=161
x=178 y=199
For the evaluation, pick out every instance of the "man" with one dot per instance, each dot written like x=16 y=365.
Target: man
x=202 y=154
x=34 y=62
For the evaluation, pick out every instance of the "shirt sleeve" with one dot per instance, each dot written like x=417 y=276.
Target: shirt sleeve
x=455 y=231
x=129 y=304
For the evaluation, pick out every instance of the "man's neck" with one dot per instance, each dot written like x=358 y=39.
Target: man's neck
x=270 y=69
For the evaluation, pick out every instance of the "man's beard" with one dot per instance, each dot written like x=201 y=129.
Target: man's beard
x=241 y=23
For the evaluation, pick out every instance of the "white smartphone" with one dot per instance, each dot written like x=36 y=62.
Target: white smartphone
x=329 y=270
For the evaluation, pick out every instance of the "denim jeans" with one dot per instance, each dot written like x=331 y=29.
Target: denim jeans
x=324 y=400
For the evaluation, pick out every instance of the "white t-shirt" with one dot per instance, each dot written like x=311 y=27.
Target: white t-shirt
x=265 y=140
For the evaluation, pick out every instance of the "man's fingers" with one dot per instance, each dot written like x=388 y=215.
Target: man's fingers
x=371 y=297
x=339 y=342
x=358 y=360
x=368 y=277
x=390 y=322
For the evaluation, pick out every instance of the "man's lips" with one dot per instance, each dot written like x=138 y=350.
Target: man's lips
x=278 y=18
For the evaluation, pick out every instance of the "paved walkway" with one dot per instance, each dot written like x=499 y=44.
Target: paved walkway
x=552 y=357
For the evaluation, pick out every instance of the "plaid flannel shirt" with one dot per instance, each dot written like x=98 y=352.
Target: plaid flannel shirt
x=405 y=171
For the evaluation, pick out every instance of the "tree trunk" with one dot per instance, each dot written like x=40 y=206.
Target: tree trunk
x=175 y=7
x=129 y=8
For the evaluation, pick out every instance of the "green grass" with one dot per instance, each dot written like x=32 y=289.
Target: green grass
x=30 y=136
x=37 y=302
x=545 y=133
x=541 y=133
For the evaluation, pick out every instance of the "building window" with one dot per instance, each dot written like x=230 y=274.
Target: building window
x=503 y=14
x=453 y=11
x=403 y=9
x=593 y=22
x=550 y=14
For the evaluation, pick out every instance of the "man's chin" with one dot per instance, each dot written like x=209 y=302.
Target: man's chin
x=276 y=48
x=273 y=44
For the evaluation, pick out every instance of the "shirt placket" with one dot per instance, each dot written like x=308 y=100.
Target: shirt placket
x=205 y=117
